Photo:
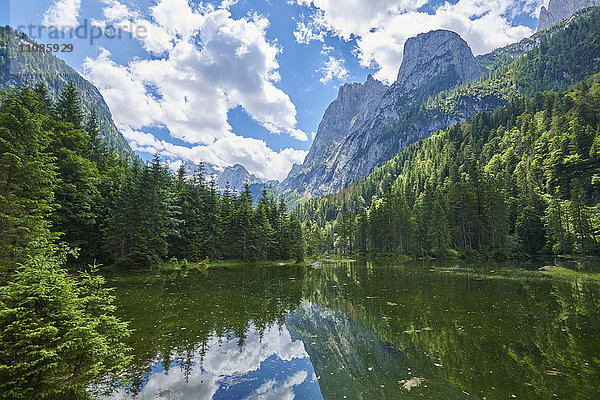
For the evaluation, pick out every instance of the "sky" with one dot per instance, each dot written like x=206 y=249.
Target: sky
x=247 y=81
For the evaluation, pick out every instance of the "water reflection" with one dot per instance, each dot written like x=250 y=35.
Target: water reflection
x=269 y=365
x=370 y=331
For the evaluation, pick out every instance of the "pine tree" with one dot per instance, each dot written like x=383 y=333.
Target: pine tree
x=297 y=238
x=97 y=151
x=76 y=190
x=58 y=334
x=245 y=246
x=150 y=238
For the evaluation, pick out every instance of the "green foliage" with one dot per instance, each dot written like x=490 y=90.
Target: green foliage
x=59 y=180
x=550 y=60
x=68 y=106
x=27 y=173
x=58 y=334
x=521 y=180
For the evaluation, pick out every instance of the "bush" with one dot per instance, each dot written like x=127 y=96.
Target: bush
x=58 y=333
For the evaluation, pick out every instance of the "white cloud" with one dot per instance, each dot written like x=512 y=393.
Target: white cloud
x=62 y=14
x=209 y=63
x=254 y=154
x=232 y=65
x=271 y=390
x=334 y=68
x=226 y=4
x=381 y=29
x=353 y=17
x=314 y=30
x=116 y=11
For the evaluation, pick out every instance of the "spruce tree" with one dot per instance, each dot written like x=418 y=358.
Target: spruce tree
x=68 y=106
x=27 y=174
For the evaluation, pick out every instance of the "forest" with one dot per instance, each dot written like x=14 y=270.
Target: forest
x=517 y=182
x=522 y=180
x=60 y=182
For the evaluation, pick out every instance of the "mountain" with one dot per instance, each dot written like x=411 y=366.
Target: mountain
x=233 y=177
x=439 y=84
x=559 y=10
x=524 y=179
x=19 y=67
x=363 y=361
x=351 y=139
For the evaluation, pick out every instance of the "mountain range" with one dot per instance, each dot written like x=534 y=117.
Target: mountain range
x=232 y=177
x=440 y=83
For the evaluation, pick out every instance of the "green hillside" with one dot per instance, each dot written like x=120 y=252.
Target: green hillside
x=552 y=59
x=18 y=67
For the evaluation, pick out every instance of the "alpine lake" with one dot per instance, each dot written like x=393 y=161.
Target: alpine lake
x=364 y=330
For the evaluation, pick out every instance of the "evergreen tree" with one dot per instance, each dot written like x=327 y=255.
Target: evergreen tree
x=68 y=106
x=96 y=149
x=27 y=174
x=58 y=334
x=297 y=238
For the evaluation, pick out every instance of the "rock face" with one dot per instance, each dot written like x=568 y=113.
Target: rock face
x=559 y=10
x=431 y=54
x=352 y=138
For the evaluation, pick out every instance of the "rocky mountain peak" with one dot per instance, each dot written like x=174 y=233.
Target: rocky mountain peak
x=559 y=10
x=354 y=91
x=434 y=54
x=233 y=176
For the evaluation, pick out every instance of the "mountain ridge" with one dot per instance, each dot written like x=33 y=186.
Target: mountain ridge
x=559 y=10
x=345 y=146
x=402 y=116
x=233 y=177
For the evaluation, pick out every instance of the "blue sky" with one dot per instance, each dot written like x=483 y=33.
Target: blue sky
x=248 y=81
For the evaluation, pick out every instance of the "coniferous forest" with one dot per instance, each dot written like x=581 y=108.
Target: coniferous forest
x=60 y=182
x=67 y=200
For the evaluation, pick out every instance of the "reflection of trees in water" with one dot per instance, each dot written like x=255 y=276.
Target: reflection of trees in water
x=174 y=318
x=529 y=337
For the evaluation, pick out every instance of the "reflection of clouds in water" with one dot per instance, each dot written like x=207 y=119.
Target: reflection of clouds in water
x=174 y=386
x=225 y=358
x=270 y=390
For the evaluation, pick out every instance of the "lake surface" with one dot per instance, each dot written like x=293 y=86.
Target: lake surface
x=362 y=331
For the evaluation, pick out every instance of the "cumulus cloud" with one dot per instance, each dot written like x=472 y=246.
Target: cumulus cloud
x=334 y=68
x=62 y=14
x=254 y=154
x=381 y=27
x=202 y=63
